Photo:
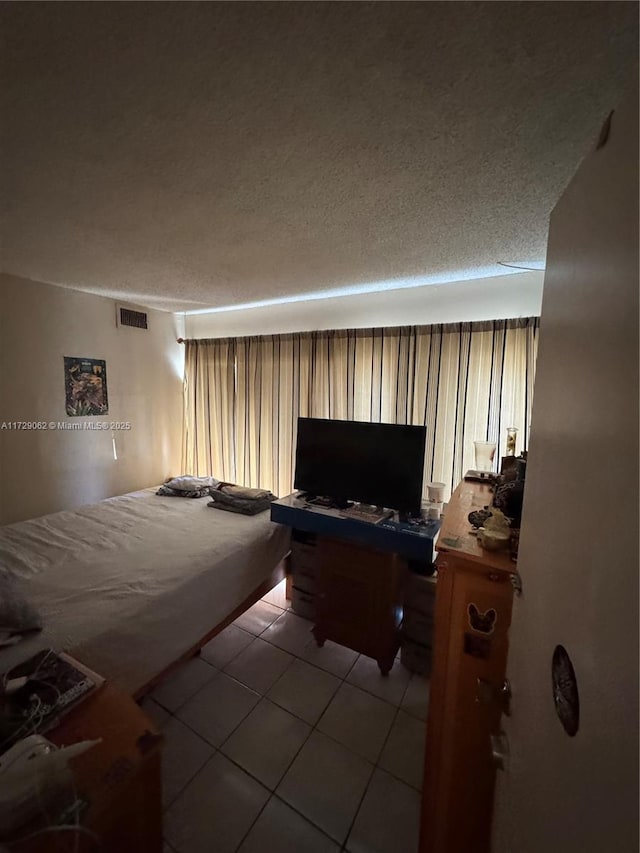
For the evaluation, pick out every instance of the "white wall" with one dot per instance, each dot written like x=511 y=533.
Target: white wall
x=500 y=297
x=579 y=542
x=45 y=471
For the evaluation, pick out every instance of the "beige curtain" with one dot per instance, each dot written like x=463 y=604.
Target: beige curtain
x=210 y=409
x=464 y=381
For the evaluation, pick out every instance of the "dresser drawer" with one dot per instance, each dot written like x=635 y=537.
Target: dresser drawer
x=308 y=562
x=415 y=657
x=305 y=578
x=420 y=593
x=303 y=603
x=303 y=553
x=418 y=626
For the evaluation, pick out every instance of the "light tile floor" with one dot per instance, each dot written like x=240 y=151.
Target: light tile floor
x=272 y=743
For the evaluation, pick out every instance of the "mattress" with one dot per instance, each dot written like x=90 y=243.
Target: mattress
x=130 y=584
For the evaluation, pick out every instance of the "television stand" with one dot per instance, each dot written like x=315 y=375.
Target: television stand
x=326 y=502
x=371 y=514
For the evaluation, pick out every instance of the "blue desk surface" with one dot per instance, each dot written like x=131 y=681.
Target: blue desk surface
x=410 y=541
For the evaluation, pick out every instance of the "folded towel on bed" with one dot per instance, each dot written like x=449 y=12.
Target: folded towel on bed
x=245 y=506
x=244 y=492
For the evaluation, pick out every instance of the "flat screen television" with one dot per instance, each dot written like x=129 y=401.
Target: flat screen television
x=380 y=464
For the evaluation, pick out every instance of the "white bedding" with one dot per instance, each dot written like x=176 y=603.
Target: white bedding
x=130 y=584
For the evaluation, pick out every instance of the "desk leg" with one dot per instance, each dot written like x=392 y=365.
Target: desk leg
x=385 y=663
x=289 y=580
x=320 y=637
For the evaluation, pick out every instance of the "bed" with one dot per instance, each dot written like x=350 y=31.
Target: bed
x=135 y=583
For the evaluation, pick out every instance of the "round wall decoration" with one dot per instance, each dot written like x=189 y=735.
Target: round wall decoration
x=565 y=691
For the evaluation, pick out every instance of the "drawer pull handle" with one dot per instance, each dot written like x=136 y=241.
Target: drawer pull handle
x=487 y=694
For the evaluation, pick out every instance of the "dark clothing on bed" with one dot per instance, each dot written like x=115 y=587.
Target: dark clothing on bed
x=180 y=493
x=245 y=506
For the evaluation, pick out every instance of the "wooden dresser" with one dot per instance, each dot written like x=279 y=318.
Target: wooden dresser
x=472 y=618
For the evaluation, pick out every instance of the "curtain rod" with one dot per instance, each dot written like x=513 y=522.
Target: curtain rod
x=444 y=328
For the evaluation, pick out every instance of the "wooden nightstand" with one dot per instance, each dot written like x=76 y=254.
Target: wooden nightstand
x=119 y=779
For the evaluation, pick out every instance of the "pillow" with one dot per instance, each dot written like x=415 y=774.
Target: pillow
x=17 y=615
x=187 y=483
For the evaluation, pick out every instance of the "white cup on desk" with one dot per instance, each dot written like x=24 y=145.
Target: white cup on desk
x=434 y=512
x=436 y=492
x=430 y=511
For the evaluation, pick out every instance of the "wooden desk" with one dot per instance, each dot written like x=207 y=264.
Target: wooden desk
x=472 y=618
x=348 y=575
x=360 y=594
x=118 y=778
x=389 y=536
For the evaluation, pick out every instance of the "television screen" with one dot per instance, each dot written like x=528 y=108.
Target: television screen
x=380 y=464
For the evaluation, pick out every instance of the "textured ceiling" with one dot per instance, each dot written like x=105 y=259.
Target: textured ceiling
x=188 y=155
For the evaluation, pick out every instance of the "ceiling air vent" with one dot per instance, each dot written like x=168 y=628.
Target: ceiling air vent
x=129 y=317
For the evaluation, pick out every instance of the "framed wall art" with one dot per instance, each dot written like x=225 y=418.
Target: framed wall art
x=85 y=385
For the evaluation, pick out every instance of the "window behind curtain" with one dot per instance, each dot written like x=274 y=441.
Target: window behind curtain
x=464 y=381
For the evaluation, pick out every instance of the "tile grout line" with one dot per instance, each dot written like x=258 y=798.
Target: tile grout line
x=375 y=767
x=295 y=657
x=286 y=669
x=216 y=749
x=249 y=773
x=413 y=717
x=230 y=735
x=342 y=679
x=166 y=808
x=313 y=728
x=347 y=674
x=257 y=817
x=272 y=792
x=307 y=819
x=359 y=806
x=246 y=630
x=189 y=697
